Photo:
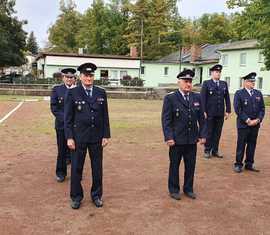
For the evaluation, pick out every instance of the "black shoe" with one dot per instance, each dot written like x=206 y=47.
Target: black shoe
x=237 y=169
x=190 y=195
x=60 y=178
x=68 y=161
x=75 y=204
x=217 y=154
x=175 y=196
x=207 y=155
x=251 y=168
x=98 y=202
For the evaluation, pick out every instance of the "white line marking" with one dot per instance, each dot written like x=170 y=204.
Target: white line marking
x=31 y=100
x=11 y=112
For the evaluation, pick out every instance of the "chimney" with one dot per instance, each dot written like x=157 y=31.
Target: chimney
x=195 y=52
x=185 y=50
x=133 y=52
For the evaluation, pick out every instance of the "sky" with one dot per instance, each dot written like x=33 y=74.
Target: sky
x=42 y=14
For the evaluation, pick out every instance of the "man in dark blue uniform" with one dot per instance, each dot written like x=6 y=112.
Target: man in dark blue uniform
x=250 y=109
x=214 y=94
x=86 y=128
x=183 y=126
x=57 y=108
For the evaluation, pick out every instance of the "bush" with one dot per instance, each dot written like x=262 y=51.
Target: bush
x=102 y=82
x=129 y=81
x=57 y=76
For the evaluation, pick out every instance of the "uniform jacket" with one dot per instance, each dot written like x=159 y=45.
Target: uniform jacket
x=247 y=106
x=213 y=98
x=180 y=122
x=57 y=105
x=86 y=118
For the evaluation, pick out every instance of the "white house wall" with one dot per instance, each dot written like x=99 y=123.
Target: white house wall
x=50 y=70
x=54 y=64
x=99 y=62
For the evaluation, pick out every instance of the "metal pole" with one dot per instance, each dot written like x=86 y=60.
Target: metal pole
x=141 y=39
x=141 y=54
x=180 y=56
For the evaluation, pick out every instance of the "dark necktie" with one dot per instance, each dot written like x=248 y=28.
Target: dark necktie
x=186 y=98
x=217 y=83
x=251 y=92
x=89 y=92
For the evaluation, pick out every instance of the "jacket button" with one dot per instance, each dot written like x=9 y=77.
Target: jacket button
x=92 y=125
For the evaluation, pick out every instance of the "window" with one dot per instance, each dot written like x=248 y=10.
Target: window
x=113 y=74
x=209 y=72
x=123 y=74
x=228 y=80
x=166 y=70
x=261 y=57
x=243 y=59
x=225 y=58
x=259 y=83
x=104 y=74
x=142 y=70
x=240 y=82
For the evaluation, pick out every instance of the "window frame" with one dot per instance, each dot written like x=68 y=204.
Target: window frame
x=225 y=60
x=243 y=64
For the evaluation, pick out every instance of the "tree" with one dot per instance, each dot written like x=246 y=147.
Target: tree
x=138 y=25
x=155 y=25
x=160 y=26
x=32 y=45
x=12 y=36
x=118 y=20
x=238 y=3
x=102 y=28
x=94 y=31
x=191 y=34
x=215 y=28
x=63 y=33
x=254 y=22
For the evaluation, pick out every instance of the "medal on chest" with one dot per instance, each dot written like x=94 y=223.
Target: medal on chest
x=60 y=100
x=177 y=113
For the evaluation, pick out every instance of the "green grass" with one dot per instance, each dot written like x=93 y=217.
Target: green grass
x=267 y=101
x=135 y=105
x=19 y=97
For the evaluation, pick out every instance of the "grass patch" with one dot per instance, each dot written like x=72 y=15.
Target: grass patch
x=267 y=101
x=19 y=98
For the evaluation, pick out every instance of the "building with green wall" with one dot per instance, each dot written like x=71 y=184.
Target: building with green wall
x=238 y=59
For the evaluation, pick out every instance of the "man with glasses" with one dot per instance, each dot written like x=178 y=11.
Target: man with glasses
x=57 y=108
x=250 y=109
x=86 y=128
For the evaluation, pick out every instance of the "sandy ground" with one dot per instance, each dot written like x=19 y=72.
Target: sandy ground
x=6 y=106
x=135 y=180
